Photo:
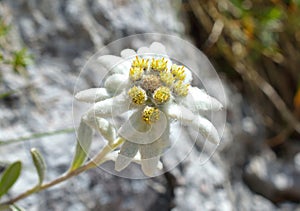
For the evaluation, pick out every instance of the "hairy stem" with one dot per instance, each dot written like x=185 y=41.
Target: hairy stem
x=96 y=161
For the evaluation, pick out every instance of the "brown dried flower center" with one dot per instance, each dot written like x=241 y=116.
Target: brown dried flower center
x=150 y=82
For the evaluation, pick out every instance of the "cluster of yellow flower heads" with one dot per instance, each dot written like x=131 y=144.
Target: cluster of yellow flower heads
x=154 y=83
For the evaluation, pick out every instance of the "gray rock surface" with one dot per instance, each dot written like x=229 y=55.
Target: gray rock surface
x=62 y=35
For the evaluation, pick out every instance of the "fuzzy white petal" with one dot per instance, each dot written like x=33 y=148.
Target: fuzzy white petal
x=188 y=78
x=158 y=48
x=206 y=128
x=116 y=83
x=186 y=117
x=137 y=131
x=149 y=166
x=115 y=64
x=179 y=112
x=143 y=50
x=156 y=148
x=127 y=153
x=128 y=53
x=109 y=61
x=104 y=127
x=199 y=100
x=150 y=153
x=109 y=108
x=137 y=159
x=92 y=95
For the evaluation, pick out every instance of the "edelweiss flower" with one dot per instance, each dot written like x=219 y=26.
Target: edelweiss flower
x=157 y=92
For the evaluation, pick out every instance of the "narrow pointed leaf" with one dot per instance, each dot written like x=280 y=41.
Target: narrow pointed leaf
x=9 y=177
x=84 y=140
x=39 y=164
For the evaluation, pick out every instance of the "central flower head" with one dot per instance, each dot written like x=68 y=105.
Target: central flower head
x=154 y=84
x=157 y=92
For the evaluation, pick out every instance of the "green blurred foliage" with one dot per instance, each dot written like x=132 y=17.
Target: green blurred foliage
x=3 y=28
x=260 y=23
x=10 y=55
x=250 y=40
x=14 y=59
x=20 y=60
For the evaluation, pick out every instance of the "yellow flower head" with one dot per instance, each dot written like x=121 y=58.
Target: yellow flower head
x=178 y=72
x=161 y=95
x=136 y=73
x=159 y=64
x=139 y=62
x=150 y=114
x=181 y=89
x=167 y=78
x=138 y=95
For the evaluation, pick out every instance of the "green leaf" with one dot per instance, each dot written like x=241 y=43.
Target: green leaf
x=16 y=208
x=9 y=177
x=237 y=3
x=274 y=13
x=84 y=140
x=3 y=166
x=4 y=28
x=39 y=164
x=21 y=59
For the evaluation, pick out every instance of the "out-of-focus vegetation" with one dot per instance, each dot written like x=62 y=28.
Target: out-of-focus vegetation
x=14 y=59
x=17 y=59
x=257 y=42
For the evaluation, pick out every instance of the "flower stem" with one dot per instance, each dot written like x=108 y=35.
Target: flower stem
x=96 y=161
x=35 y=136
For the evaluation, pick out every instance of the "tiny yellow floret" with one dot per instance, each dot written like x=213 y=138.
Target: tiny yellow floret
x=178 y=72
x=139 y=62
x=136 y=73
x=150 y=114
x=181 y=89
x=167 y=78
x=138 y=95
x=161 y=95
x=159 y=64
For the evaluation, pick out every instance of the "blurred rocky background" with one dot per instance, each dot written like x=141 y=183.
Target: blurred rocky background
x=253 y=44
